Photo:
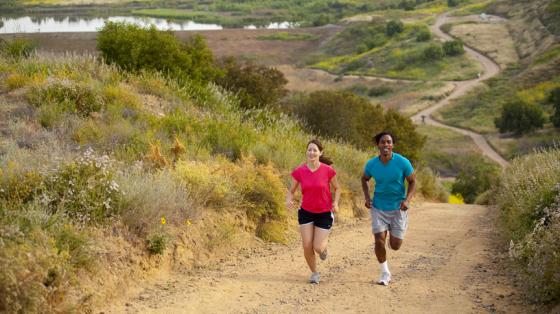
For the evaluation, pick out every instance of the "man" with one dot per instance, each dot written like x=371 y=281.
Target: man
x=389 y=211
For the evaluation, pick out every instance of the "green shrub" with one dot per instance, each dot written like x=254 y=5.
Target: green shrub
x=380 y=90
x=345 y=116
x=429 y=185
x=134 y=48
x=256 y=86
x=520 y=117
x=433 y=52
x=394 y=27
x=17 y=48
x=76 y=98
x=156 y=243
x=476 y=177
x=423 y=34
x=453 y=48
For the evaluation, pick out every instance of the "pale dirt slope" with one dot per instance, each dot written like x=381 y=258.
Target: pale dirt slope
x=448 y=264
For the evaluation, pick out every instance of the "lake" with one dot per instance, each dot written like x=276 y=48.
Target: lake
x=29 y=24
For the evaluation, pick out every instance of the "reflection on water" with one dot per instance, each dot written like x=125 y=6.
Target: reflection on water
x=30 y=24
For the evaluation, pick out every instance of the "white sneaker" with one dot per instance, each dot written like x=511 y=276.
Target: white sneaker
x=315 y=277
x=385 y=279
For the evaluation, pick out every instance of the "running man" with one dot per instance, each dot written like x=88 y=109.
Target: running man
x=389 y=211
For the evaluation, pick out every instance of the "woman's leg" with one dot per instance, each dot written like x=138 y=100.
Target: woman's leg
x=307 y=241
x=320 y=239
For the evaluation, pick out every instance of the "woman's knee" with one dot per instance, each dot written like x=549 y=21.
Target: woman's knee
x=308 y=246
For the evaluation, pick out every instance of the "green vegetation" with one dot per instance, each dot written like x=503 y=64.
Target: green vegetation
x=17 y=48
x=134 y=48
x=331 y=113
x=555 y=100
x=529 y=199
x=476 y=177
x=289 y=36
x=255 y=86
x=367 y=49
x=520 y=117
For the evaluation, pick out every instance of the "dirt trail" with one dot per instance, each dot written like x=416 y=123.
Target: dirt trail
x=462 y=87
x=446 y=265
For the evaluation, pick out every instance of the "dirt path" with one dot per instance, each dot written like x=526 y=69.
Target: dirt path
x=445 y=265
x=491 y=69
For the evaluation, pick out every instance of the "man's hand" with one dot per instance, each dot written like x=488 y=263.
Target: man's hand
x=404 y=205
x=368 y=203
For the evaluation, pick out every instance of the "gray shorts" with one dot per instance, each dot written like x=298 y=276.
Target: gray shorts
x=394 y=221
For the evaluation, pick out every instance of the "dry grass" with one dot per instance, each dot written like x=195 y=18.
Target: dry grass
x=492 y=39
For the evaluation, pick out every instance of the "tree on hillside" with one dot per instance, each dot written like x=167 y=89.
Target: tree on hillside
x=453 y=3
x=555 y=100
x=453 y=48
x=394 y=27
x=134 y=48
x=256 y=86
x=476 y=177
x=433 y=52
x=345 y=116
x=520 y=117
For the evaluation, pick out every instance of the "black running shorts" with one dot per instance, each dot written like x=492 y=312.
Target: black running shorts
x=320 y=220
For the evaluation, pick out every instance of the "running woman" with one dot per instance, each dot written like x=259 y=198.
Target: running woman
x=390 y=203
x=316 y=214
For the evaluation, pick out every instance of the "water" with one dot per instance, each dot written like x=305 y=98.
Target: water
x=28 y=24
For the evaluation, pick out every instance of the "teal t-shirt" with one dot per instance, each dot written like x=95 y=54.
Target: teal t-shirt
x=389 y=181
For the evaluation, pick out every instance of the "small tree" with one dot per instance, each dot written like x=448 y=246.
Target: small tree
x=453 y=3
x=476 y=177
x=256 y=86
x=394 y=27
x=433 y=52
x=555 y=100
x=453 y=48
x=520 y=117
x=423 y=35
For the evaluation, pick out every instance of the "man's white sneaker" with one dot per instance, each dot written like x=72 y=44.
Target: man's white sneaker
x=385 y=279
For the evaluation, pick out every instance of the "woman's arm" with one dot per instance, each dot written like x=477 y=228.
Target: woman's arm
x=290 y=195
x=337 y=193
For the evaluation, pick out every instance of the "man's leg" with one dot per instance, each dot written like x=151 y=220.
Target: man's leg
x=380 y=251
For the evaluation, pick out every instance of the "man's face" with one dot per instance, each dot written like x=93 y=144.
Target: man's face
x=385 y=145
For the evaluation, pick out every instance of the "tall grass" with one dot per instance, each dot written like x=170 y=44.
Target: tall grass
x=529 y=199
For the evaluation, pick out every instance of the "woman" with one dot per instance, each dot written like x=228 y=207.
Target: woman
x=315 y=215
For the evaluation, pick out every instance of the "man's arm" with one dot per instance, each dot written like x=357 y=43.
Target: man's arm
x=365 y=188
x=411 y=179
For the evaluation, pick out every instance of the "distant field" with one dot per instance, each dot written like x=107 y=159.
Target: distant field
x=492 y=39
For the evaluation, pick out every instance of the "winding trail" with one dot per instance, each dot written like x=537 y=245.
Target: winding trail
x=462 y=87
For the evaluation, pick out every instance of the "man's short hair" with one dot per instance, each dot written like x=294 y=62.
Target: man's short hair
x=378 y=137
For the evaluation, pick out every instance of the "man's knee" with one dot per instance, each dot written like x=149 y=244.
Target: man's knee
x=395 y=244
x=308 y=246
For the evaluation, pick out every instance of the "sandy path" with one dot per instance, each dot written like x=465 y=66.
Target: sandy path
x=445 y=265
x=491 y=69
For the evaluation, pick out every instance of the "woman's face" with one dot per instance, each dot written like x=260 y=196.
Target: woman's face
x=313 y=152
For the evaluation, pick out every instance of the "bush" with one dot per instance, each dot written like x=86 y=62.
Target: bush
x=255 y=86
x=555 y=100
x=17 y=48
x=423 y=34
x=519 y=117
x=529 y=200
x=476 y=177
x=134 y=48
x=394 y=27
x=156 y=243
x=429 y=185
x=453 y=48
x=380 y=90
x=83 y=190
x=433 y=52
x=76 y=98
x=453 y=3
x=345 y=116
